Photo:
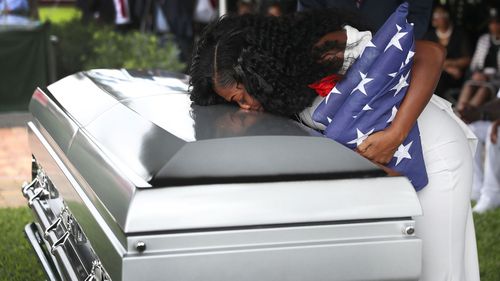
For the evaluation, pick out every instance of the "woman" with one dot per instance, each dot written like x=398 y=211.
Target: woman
x=457 y=49
x=267 y=63
x=485 y=67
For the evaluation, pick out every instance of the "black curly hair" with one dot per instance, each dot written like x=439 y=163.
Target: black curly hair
x=275 y=58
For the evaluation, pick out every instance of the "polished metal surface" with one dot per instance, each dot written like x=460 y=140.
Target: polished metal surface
x=152 y=136
x=341 y=251
x=127 y=144
x=410 y=230
x=88 y=210
x=160 y=120
x=68 y=248
x=204 y=187
x=37 y=243
x=233 y=205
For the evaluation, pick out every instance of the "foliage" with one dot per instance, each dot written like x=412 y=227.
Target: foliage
x=17 y=259
x=132 y=50
x=57 y=14
x=73 y=46
x=82 y=47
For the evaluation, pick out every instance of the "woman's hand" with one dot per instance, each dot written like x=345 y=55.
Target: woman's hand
x=454 y=72
x=381 y=146
x=479 y=76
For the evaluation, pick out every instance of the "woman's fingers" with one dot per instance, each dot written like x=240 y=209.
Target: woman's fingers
x=363 y=147
x=379 y=147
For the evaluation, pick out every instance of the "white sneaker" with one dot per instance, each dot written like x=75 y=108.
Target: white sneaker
x=485 y=203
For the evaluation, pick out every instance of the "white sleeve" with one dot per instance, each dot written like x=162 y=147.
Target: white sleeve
x=306 y=115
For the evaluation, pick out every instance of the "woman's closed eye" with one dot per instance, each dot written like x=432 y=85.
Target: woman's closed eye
x=237 y=94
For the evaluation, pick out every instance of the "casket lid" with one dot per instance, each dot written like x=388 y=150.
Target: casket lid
x=148 y=124
x=135 y=140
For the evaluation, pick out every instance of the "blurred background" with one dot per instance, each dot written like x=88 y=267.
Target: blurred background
x=42 y=41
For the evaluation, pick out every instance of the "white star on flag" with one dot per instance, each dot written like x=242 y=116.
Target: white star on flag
x=362 y=83
x=333 y=91
x=408 y=58
x=367 y=107
x=368 y=45
x=329 y=119
x=393 y=114
x=401 y=84
x=395 y=39
x=393 y=74
x=402 y=152
x=361 y=137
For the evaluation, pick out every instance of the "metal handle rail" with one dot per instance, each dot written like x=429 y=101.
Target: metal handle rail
x=34 y=194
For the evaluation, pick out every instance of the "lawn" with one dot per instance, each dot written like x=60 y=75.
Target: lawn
x=58 y=14
x=488 y=244
x=18 y=263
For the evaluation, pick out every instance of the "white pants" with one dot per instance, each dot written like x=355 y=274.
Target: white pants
x=446 y=227
x=486 y=177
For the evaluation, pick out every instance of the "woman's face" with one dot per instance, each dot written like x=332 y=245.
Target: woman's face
x=494 y=27
x=440 y=18
x=237 y=93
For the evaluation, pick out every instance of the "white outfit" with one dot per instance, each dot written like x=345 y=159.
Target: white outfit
x=446 y=227
x=486 y=184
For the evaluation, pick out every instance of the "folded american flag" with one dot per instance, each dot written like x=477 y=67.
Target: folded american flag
x=368 y=97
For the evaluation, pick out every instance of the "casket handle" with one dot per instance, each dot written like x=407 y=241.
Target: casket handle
x=27 y=186
x=60 y=242
x=52 y=227
x=39 y=194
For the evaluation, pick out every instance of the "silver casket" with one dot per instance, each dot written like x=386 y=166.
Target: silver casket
x=133 y=182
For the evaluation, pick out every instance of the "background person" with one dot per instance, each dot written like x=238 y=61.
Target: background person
x=457 y=47
x=275 y=9
x=484 y=122
x=375 y=12
x=485 y=65
x=19 y=7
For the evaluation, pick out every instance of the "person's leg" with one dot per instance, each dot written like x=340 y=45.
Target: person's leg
x=445 y=203
x=465 y=96
x=445 y=200
x=481 y=96
x=480 y=129
x=490 y=193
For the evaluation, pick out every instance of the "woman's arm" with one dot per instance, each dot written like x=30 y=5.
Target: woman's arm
x=426 y=70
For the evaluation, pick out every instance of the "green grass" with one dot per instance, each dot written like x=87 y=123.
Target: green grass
x=488 y=244
x=18 y=262
x=58 y=14
x=17 y=259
